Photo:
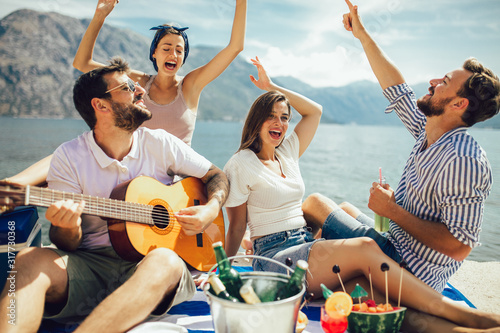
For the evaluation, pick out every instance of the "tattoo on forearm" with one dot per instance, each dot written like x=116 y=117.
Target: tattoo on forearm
x=217 y=185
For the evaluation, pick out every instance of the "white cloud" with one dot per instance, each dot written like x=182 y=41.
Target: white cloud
x=256 y=43
x=318 y=69
x=66 y=7
x=306 y=39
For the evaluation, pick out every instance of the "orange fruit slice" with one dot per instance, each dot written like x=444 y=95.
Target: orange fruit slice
x=339 y=303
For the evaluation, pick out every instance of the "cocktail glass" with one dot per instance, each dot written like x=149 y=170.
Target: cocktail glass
x=333 y=324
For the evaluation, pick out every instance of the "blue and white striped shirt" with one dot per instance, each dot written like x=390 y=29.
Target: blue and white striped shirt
x=446 y=183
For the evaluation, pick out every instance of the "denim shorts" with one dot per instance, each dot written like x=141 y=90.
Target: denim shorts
x=340 y=225
x=294 y=244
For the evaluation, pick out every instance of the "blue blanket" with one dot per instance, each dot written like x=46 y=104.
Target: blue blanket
x=194 y=316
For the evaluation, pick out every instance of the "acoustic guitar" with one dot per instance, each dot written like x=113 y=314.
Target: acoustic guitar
x=140 y=216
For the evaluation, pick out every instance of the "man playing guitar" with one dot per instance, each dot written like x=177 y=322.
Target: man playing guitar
x=84 y=277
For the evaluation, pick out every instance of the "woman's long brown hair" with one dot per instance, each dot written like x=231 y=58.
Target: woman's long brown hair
x=258 y=114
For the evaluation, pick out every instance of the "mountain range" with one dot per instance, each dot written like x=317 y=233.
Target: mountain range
x=37 y=76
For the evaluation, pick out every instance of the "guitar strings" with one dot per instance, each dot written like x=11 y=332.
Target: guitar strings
x=143 y=215
x=136 y=211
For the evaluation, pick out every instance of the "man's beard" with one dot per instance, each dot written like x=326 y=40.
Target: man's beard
x=130 y=117
x=431 y=108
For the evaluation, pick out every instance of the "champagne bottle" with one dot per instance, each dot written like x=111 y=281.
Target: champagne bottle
x=294 y=285
x=248 y=294
x=227 y=274
x=219 y=288
x=326 y=292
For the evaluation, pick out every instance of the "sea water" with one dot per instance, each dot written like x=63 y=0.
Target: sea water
x=341 y=162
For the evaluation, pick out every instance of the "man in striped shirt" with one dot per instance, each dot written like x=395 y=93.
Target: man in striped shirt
x=437 y=209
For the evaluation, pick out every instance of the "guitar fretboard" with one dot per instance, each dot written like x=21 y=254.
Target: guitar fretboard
x=103 y=207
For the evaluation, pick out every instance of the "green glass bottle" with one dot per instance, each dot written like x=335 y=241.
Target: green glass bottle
x=326 y=292
x=294 y=285
x=227 y=274
x=219 y=289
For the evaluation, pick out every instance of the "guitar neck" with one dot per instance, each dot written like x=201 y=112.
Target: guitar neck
x=103 y=207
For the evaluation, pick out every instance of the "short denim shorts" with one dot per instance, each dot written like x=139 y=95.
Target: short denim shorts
x=294 y=244
x=340 y=225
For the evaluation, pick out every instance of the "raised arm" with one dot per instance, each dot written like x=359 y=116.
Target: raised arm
x=309 y=110
x=197 y=79
x=387 y=73
x=84 y=57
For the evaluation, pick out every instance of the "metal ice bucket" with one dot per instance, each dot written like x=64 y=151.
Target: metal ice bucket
x=269 y=317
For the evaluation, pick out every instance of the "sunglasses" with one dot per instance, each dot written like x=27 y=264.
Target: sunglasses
x=131 y=86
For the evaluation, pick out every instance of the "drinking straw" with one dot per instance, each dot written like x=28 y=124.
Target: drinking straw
x=380 y=176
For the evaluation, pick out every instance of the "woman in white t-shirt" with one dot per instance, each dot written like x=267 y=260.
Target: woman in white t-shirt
x=266 y=185
x=266 y=191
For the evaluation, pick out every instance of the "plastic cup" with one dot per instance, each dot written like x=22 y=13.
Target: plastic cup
x=381 y=223
x=337 y=324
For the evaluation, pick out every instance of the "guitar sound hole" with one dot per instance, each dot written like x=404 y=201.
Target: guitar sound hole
x=161 y=217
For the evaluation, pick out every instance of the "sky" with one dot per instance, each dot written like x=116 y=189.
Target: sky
x=307 y=40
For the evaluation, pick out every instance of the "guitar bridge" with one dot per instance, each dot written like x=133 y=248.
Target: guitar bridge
x=199 y=236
